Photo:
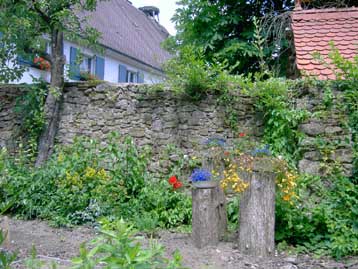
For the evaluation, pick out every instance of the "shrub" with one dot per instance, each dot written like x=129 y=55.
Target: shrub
x=188 y=73
x=85 y=180
x=117 y=247
x=324 y=218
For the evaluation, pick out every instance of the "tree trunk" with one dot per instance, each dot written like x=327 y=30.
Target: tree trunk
x=53 y=99
x=205 y=214
x=257 y=211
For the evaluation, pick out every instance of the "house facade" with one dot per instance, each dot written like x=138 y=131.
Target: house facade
x=131 y=42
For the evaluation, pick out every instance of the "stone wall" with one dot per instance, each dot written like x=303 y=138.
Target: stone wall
x=9 y=120
x=156 y=118
x=327 y=141
x=161 y=118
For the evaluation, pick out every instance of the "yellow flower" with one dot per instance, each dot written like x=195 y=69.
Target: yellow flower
x=90 y=172
x=60 y=158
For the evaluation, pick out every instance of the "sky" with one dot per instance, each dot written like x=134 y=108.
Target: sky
x=167 y=10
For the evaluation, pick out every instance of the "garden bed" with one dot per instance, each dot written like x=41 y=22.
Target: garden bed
x=60 y=245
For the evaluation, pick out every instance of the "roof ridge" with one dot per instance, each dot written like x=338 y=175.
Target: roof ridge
x=325 y=10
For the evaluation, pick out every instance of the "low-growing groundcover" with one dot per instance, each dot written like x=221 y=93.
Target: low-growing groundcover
x=84 y=181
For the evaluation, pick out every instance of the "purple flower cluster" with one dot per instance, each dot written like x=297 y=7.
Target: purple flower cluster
x=215 y=141
x=262 y=152
x=200 y=175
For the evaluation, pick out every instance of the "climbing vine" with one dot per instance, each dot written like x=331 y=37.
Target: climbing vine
x=30 y=109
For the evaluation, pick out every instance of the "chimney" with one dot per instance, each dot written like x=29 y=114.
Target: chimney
x=151 y=11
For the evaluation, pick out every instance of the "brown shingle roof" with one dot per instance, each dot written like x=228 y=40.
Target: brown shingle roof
x=314 y=29
x=130 y=32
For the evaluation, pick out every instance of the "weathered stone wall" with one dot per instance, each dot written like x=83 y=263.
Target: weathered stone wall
x=327 y=144
x=161 y=118
x=9 y=120
x=156 y=119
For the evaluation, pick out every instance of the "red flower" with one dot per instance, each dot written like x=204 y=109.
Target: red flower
x=226 y=153
x=177 y=185
x=241 y=134
x=172 y=180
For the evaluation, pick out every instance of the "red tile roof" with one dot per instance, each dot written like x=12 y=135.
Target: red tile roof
x=313 y=30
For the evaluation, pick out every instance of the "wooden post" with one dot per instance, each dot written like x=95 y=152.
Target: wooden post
x=205 y=214
x=257 y=210
x=212 y=161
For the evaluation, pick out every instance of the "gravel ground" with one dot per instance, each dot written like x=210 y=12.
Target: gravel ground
x=60 y=245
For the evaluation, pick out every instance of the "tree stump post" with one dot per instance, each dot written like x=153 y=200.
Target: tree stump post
x=257 y=210
x=212 y=161
x=205 y=214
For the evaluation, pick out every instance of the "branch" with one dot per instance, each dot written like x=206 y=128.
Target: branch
x=45 y=17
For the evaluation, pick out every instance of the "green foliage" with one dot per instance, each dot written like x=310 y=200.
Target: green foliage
x=232 y=208
x=32 y=262
x=6 y=259
x=191 y=75
x=30 y=109
x=346 y=72
x=323 y=219
x=224 y=29
x=273 y=100
x=85 y=180
x=23 y=24
x=117 y=247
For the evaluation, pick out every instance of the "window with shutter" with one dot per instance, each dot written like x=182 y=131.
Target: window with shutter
x=99 y=68
x=140 y=76
x=74 y=67
x=122 y=73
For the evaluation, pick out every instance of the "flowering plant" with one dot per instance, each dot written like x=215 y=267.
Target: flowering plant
x=174 y=181
x=200 y=175
x=215 y=141
x=42 y=63
x=231 y=165
x=87 y=76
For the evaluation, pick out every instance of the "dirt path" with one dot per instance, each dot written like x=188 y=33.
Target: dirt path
x=60 y=245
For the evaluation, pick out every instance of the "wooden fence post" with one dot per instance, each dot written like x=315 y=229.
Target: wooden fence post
x=257 y=210
x=205 y=214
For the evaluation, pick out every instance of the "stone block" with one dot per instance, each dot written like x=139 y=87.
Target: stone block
x=310 y=167
x=312 y=128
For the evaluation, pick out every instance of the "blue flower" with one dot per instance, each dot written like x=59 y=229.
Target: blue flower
x=261 y=152
x=215 y=141
x=200 y=175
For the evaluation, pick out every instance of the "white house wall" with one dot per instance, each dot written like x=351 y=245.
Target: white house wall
x=111 y=65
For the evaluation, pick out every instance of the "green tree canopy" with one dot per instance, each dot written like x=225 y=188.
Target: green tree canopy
x=24 y=24
x=224 y=29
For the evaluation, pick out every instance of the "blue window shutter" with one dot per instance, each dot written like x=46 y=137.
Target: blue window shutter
x=140 y=77
x=74 y=68
x=122 y=73
x=23 y=60
x=99 y=72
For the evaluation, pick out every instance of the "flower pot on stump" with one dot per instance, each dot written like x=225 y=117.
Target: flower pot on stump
x=205 y=215
x=257 y=210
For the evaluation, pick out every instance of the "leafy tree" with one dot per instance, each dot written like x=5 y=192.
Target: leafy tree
x=225 y=30
x=24 y=25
